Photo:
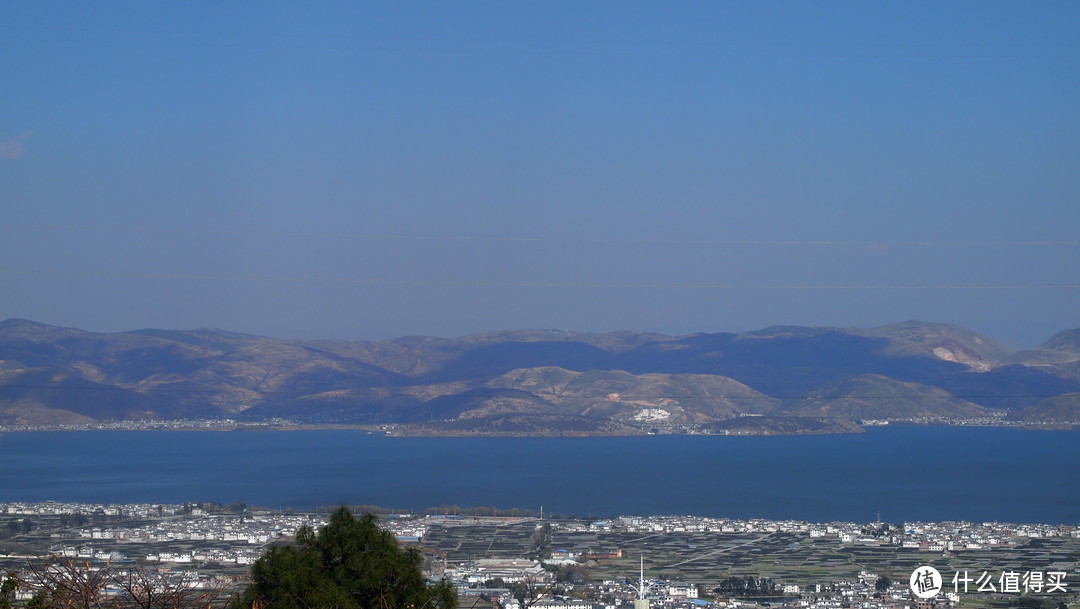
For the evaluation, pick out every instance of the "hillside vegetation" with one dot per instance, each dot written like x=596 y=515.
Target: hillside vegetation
x=534 y=382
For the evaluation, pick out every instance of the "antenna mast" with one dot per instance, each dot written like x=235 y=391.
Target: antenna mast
x=641 y=578
x=641 y=602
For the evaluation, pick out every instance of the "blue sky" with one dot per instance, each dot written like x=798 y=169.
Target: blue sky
x=370 y=170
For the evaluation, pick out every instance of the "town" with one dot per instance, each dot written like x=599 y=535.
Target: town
x=514 y=562
x=656 y=418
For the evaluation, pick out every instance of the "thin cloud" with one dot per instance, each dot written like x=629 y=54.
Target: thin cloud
x=13 y=148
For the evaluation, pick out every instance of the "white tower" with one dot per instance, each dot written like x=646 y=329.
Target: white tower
x=641 y=602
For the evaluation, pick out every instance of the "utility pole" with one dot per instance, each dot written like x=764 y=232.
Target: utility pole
x=641 y=602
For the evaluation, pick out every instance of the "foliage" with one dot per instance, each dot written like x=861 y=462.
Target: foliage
x=572 y=574
x=882 y=584
x=349 y=564
x=540 y=542
x=66 y=584
x=526 y=592
x=7 y=590
x=747 y=586
x=17 y=526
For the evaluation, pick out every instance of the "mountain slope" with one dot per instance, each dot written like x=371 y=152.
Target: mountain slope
x=673 y=398
x=640 y=380
x=1061 y=409
x=943 y=341
x=872 y=396
x=1060 y=355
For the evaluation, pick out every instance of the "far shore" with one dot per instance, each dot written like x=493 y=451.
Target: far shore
x=408 y=431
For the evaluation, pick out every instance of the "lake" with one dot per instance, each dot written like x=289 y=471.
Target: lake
x=905 y=472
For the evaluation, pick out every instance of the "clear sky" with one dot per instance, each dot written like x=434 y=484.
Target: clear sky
x=368 y=170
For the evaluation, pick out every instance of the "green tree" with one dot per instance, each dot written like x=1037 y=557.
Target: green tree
x=540 y=542
x=7 y=590
x=349 y=564
x=65 y=584
x=882 y=584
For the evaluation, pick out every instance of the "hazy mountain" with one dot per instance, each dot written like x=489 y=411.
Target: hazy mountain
x=53 y=374
x=872 y=396
x=616 y=394
x=1058 y=409
x=211 y=372
x=943 y=341
x=47 y=395
x=1060 y=355
x=784 y=361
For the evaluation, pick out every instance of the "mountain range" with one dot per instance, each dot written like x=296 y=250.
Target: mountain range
x=782 y=379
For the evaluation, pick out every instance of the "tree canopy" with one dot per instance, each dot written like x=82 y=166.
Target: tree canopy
x=62 y=583
x=349 y=564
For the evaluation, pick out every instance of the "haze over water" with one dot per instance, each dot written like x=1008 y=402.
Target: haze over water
x=367 y=170
x=906 y=473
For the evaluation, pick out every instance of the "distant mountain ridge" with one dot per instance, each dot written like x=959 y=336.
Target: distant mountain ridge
x=523 y=382
x=872 y=396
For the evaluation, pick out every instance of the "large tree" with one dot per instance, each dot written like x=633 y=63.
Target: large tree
x=61 y=583
x=349 y=564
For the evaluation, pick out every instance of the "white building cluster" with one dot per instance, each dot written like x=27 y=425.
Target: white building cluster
x=183 y=536
x=932 y=536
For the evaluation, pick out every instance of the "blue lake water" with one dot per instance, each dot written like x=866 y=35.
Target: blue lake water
x=906 y=472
